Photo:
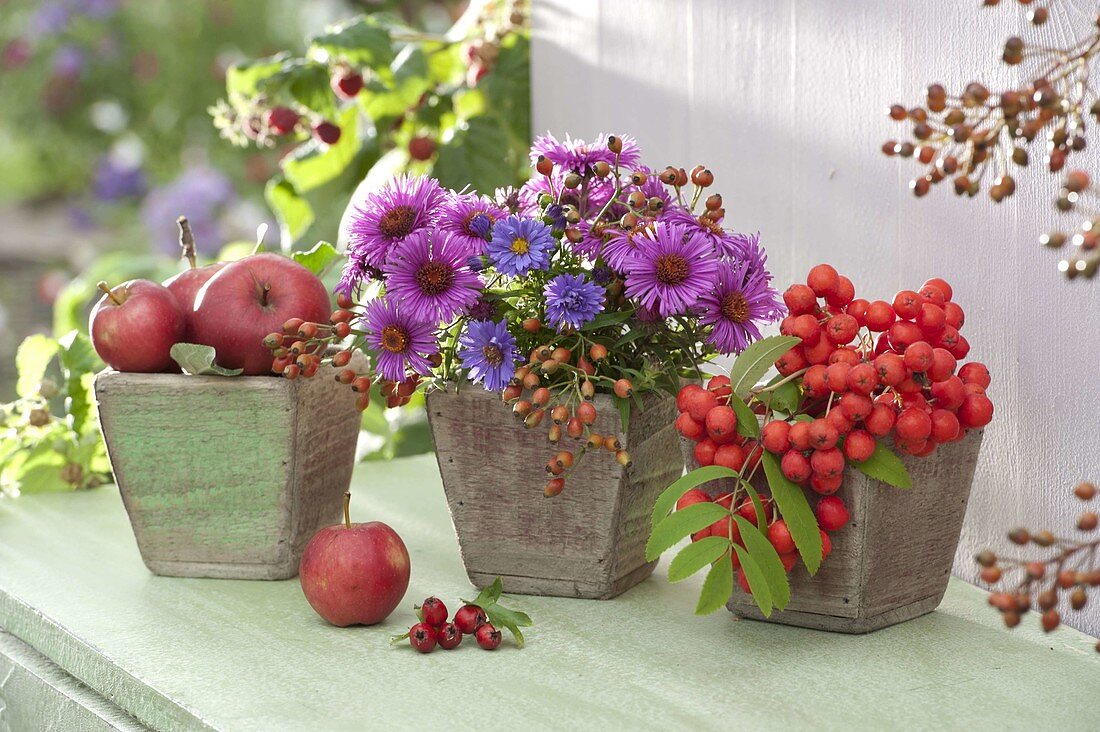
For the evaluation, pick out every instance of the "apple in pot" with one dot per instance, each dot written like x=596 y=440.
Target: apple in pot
x=355 y=574
x=135 y=325
x=185 y=286
x=247 y=299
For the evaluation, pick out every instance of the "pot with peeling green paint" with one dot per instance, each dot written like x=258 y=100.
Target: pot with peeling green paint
x=228 y=477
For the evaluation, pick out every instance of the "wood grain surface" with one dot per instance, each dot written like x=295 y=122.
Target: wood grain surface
x=589 y=541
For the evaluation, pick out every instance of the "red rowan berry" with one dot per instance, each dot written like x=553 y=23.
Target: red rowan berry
x=588 y=391
x=954 y=315
x=559 y=414
x=742 y=580
x=806 y=327
x=841 y=328
x=945 y=425
x=704 y=452
x=780 y=537
x=907 y=304
x=941 y=285
x=836 y=377
x=919 y=356
x=961 y=347
x=690 y=498
x=682 y=397
x=858 y=309
x=913 y=424
x=799 y=435
x=844 y=354
x=990 y=575
x=855 y=407
x=689 y=428
x=788 y=560
x=775 y=436
x=890 y=368
x=826 y=485
x=949 y=393
x=818 y=353
x=931 y=319
x=839 y=421
x=879 y=317
x=862 y=378
x=721 y=422
x=813 y=381
x=698 y=402
x=949 y=339
x=730 y=456
x=975 y=373
x=791 y=361
x=832 y=513
x=859 y=445
x=800 y=299
x=881 y=420
x=842 y=294
x=975 y=411
x=822 y=435
x=903 y=333
x=822 y=279
x=795 y=466
x=1051 y=620
x=943 y=365
x=747 y=510
x=829 y=462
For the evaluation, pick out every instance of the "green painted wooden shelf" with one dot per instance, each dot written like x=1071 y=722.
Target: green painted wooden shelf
x=239 y=655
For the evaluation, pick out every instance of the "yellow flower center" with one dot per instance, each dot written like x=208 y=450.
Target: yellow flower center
x=520 y=245
x=395 y=339
x=493 y=354
x=735 y=307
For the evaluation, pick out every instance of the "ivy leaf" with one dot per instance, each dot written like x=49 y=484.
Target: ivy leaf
x=317 y=259
x=758 y=583
x=718 y=586
x=680 y=524
x=796 y=511
x=747 y=423
x=771 y=566
x=313 y=163
x=293 y=212
x=755 y=361
x=31 y=359
x=682 y=485
x=697 y=555
x=363 y=41
x=884 y=465
x=198 y=360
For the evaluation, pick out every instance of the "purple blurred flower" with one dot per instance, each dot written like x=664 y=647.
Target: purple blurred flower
x=399 y=342
x=114 y=180
x=672 y=267
x=68 y=62
x=483 y=310
x=488 y=353
x=201 y=194
x=576 y=154
x=470 y=218
x=520 y=245
x=739 y=300
x=429 y=277
x=572 y=301
x=51 y=18
x=725 y=243
x=408 y=204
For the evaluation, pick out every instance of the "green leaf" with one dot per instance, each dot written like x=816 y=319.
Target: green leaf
x=680 y=524
x=755 y=361
x=245 y=78
x=507 y=88
x=717 y=587
x=771 y=566
x=697 y=555
x=293 y=212
x=796 y=511
x=884 y=465
x=313 y=163
x=500 y=616
x=79 y=362
x=747 y=423
x=31 y=359
x=605 y=319
x=683 y=484
x=490 y=594
x=473 y=154
x=317 y=259
x=758 y=582
x=362 y=41
x=757 y=504
x=631 y=336
x=786 y=398
x=198 y=360
x=623 y=405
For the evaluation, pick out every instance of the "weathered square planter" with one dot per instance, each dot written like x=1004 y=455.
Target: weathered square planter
x=587 y=542
x=892 y=561
x=228 y=477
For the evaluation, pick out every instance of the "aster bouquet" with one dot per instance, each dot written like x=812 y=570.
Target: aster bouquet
x=598 y=275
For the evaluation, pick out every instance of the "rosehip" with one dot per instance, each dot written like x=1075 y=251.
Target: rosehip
x=780 y=537
x=828 y=462
x=776 y=436
x=488 y=637
x=469 y=618
x=422 y=637
x=586 y=412
x=689 y=428
x=832 y=513
x=859 y=445
x=795 y=466
x=976 y=411
x=822 y=279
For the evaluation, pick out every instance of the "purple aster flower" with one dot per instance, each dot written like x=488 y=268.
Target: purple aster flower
x=621 y=245
x=739 y=300
x=202 y=194
x=749 y=250
x=602 y=275
x=577 y=155
x=671 y=268
x=488 y=351
x=383 y=220
x=724 y=242
x=571 y=301
x=428 y=274
x=520 y=245
x=399 y=342
x=355 y=273
x=469 y=218
x=600 y=191
x=483 y=310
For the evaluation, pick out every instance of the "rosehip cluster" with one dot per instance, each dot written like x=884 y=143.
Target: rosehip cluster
x=569 y=406
x=434 y=628
x=1070 y=568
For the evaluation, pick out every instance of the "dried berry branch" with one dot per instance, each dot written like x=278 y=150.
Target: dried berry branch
x=1069 y=565
x=981 y=136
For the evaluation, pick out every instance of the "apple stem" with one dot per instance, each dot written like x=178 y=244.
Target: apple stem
x=110 y=295
x=263 y=296
x=347 y=508
x=187 y=241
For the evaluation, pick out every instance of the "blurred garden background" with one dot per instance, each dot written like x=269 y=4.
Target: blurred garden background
x=118 y=116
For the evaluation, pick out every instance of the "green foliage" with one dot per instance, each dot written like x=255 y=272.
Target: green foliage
x=792 y=504
x=318 y=259
x=501 y=617
x=50 y=437
x=884 y=465
x=757 y=360
x=198 y=360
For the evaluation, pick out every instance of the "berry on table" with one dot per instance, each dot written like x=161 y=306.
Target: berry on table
x=469 y=618
x=422 y=637
x=433 y=612
x=488 y=637
x=449 y=636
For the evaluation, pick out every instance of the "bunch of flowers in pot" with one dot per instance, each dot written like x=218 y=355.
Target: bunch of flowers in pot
x=578 y=303
x=857 y=380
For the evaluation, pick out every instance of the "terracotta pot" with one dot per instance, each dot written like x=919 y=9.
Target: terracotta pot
x=589 y=541
x=892 y=561
x=228 y=477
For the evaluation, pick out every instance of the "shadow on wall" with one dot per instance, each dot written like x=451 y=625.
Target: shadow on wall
x=785 y=104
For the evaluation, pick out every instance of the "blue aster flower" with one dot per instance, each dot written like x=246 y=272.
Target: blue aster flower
x=520 y=245
x=488 y=352
x=571 y=301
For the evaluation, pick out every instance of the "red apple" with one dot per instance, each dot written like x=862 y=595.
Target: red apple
x=355 y=574
x=249 y=298
x=186 y=285
x=135 y=325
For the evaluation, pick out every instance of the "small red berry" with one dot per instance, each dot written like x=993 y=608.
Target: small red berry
x=469 y=618
x=903 y=333
x=943 y=364
x=704 y=452
x=975 y=373
x=907 y=304
x=919 y=356
x=976 y=411
x=822 y=435
x=689 y=428
x=799 y=435
x=449 y=636
x=829 y=462
x=913 y=424
x=775 y=436
x=880 y=316
x=836 y=377
x=806 y=327
x=859 y=445
x=841 y=328
x=421 y=148
x=813 y=381
x=862 y=378
x=949 y=393
x=282 y=120
x=945 y=425
x=890 y=368
x=842 y=294
x=800 y=299
x=730 y=456
x=488 y=637
x=780 y=537
x=795 y=466
x=690 y=498
x=881 y=420
x=941 y=285
x=422 y=637
x=826 y=485
x=433 y=612
x=698 y=402
x=347 y=85
x=684 y=395
x=826 y=544
x=855 y=407
x=791 y=361
x=721 y=424
x=326 y=132
x=832 y=513
x=823 y=279
x=954 y=315
x=858 y=309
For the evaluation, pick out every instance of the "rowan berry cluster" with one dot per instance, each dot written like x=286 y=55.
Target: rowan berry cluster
x=558 y=386
x=1064 y=573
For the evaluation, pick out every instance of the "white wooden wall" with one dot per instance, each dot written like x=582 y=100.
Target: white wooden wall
x=785 y=101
